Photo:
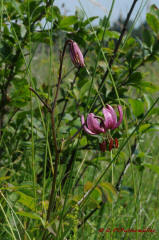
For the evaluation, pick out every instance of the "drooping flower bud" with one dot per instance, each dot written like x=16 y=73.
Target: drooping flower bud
x=111 y=144
x=116 y=143
x=76 y=54
x=103 y=146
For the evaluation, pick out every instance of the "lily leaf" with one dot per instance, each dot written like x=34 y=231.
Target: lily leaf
x=154 y=168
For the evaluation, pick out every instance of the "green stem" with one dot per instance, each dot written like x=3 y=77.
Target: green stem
x=115 y=51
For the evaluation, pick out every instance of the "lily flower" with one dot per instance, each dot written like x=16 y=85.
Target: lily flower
x=94 y=127
x=76 y=54
x=110 y=117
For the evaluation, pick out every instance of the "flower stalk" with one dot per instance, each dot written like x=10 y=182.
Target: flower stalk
x=78 y=61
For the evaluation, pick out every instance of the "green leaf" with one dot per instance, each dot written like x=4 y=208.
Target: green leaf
x=4 y=178
x=96 y=194
x=90 y=185
x=16 y=6
x=147 y=37
x=67 y=21
x=92 y=203
x=130 y=43
x=111 y=34
x=86 y=22
x=107 y=190
x=108 y=186
x=29 y=215
x=137 y=107
x=148 y=87
x=22 y=30
x=83 y=141
x=154 y=168
x=135 y=62
x=38 y=13
x=42 y=37
x=144 y=127
x=68 y=117
x=154 y=10
x=153 y=22
x=53 y=13
x=135 y=77
x=148 y=100
x=84 y=89
x=20 y=96
x=26 y=200
x=154 y=111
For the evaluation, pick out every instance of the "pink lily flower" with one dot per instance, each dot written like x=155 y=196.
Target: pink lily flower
x=110 y=117
x=76 y=54
x=94 y=127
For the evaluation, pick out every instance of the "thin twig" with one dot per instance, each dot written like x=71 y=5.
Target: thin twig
x=68 y=168
x=48 y=4
x=60 y=74
x=57 y=151
x=78 y=131
x=80 y=176
x=45 y=104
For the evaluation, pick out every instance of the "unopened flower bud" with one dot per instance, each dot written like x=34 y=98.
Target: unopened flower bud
x=76 y=54
x=111 y=144
x=116 y=143
x=103 y=146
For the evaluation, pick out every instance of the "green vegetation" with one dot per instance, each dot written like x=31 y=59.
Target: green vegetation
x=55 y=182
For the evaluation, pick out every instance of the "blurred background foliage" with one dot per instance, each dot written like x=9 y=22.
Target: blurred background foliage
x=32 y=36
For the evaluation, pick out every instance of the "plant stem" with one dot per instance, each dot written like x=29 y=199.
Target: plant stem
x=115 y=157
x=57 y=151
x=116 y=48
x=71 y=88
x=68 y=168
x=127 y=164
x=60 y=74
x=117 y=186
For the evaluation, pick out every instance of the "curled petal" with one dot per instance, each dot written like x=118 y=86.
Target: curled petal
x=85 y=127
x=113 y=113
x=93 y=124
x=109 y=121
x=120 y=116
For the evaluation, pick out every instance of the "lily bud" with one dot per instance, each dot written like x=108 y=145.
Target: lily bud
x=116 y=143
x=103 y=146
x=111 y=145
x=76 y=54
